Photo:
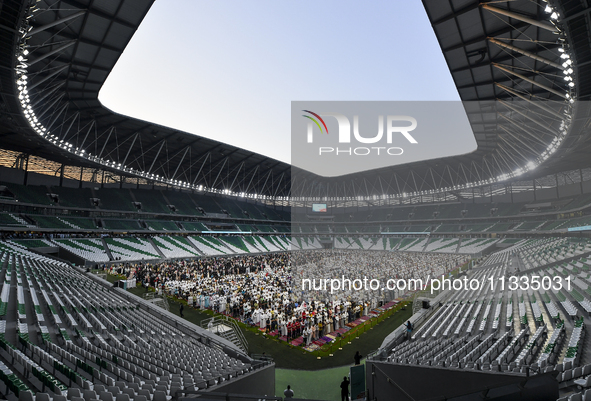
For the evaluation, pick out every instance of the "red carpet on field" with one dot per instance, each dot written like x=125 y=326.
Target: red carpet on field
x=297 y=342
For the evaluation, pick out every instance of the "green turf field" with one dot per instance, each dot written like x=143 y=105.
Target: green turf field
x=311 y=384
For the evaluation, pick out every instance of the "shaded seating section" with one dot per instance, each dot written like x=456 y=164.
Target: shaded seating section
x=115 y=199
x=11 y=220
x=424 y=212
x=529 y=226
x=578 y=202
x=252 y=212
x=193 y=226
x=478 y=227
x=208 y=204
x=509 y=209
x=453 y=211
x=266 y=228
x=35 y=194
x=152 y=201
x=161 y=225
x=400 y=213
x=582 y=221
x=33 y=243
x=121 y=224
x=247 y=228
x=419 y=228
x=187 y=203
x=73 y=197
x=393 y=228
x=554 y=225
x=79 y=222
x=448 y=228
x=50 y=222
x=500 y=227
x=183 y=202
x=275 y=214
x=157 y=201
x=479 y=209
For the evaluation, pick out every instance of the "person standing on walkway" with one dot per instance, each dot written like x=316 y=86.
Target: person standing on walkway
x=409 y=328
x=288 y=392
x=357 y=358
x=345 y=389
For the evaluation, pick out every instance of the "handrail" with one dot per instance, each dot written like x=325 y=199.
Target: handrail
x=218 y=320
x=170 y=318
x=240 y=334
x=262 y=357
x=227 y=396
x=391 y=381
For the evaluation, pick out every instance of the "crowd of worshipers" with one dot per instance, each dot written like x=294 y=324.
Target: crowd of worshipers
x=377 y=265
x=265 y=290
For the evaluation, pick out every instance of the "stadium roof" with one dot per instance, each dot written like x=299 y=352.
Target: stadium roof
x=508 y=53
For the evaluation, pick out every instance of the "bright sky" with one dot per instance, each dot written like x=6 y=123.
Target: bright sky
x=228 y=70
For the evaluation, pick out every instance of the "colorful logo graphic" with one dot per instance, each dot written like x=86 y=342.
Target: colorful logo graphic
x=368 y=135
x=316 y=121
